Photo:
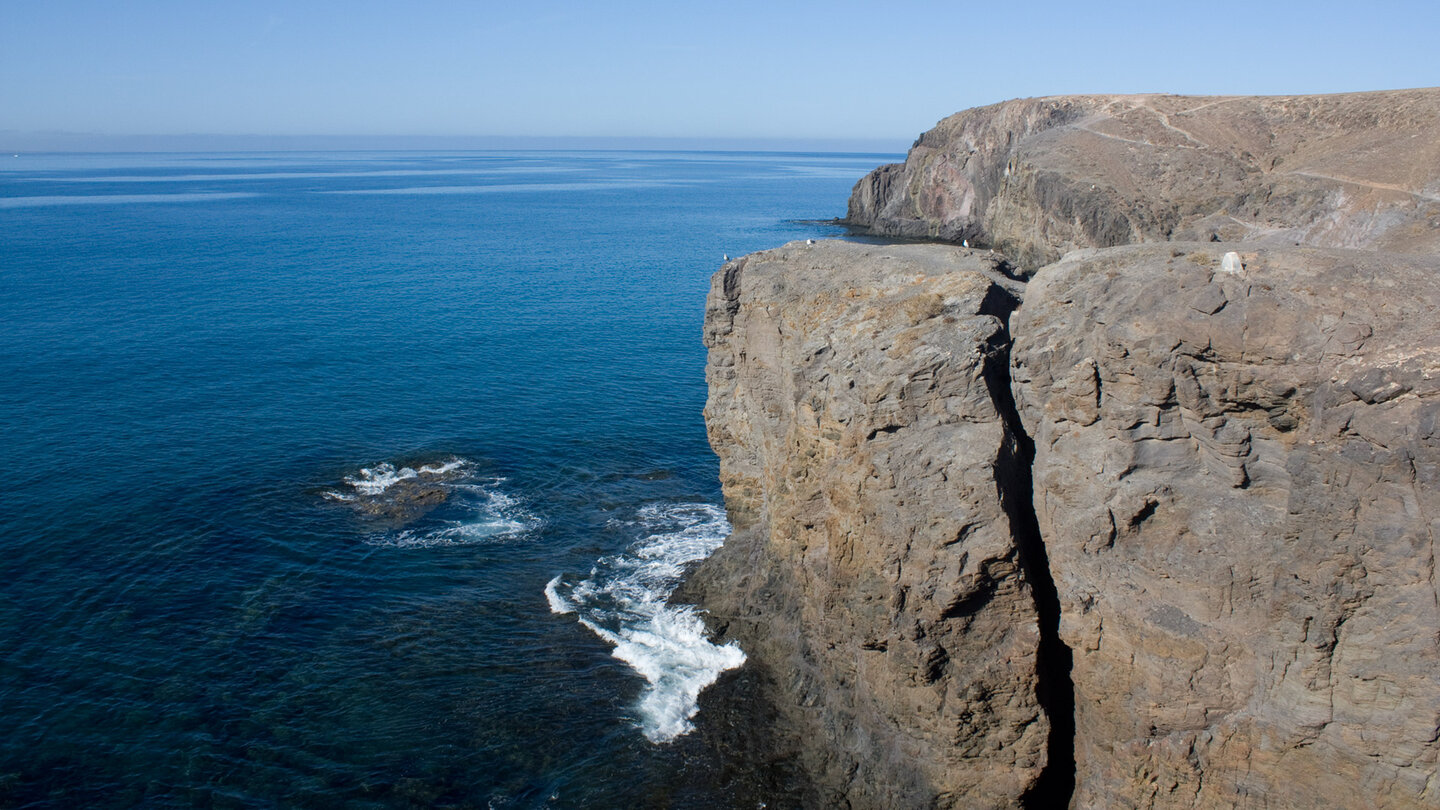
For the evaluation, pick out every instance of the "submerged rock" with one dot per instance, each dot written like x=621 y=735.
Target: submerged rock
x=403 y=502
x=394 y=496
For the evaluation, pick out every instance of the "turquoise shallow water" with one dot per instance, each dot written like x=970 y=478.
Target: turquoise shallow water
x=212 y=365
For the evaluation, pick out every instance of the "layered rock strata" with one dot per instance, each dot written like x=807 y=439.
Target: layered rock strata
x=1163 y=536
x=1037 y=177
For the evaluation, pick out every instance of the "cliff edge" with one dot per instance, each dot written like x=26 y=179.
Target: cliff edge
x=873 y=568
x=1155 y=528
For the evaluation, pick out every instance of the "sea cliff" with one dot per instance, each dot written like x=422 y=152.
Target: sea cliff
x=1034 y=178
x=1133 y=502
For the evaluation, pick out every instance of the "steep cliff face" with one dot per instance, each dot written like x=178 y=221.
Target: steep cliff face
x=1037 y=177
x=874 y=570
x=1163 y=535
x=1237 y=477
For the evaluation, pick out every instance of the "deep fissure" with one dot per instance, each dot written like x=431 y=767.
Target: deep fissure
x=1054 y=689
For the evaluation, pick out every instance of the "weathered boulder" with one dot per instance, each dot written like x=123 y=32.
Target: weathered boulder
x=856 y=403
x=1035 y=178
x=1237 y=478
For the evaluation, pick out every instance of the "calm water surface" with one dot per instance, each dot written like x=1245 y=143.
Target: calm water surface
x=343 y=479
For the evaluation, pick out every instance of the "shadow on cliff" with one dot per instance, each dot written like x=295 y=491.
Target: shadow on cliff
x=743 y=745
x=741 y=748
x=1054 y=688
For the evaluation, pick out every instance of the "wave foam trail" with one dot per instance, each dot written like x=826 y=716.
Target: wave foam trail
x=558 y=605
x=623 y=601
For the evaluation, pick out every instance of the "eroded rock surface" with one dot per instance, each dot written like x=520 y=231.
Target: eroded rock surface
x=1035 y=178
x=874 y=573
x=1237 y=477
x=1207 y=516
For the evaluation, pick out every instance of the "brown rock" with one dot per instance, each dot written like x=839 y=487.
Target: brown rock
x=873 y=574
x=1238 y=484
x=1235 y=467
x=1037 y=177
x=404 y=501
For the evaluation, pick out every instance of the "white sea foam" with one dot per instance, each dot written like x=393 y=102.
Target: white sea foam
x=443 y=468
x=476 y=510
x=557 y=602
x=377 y=479
x=623 y=601
x=489 y=515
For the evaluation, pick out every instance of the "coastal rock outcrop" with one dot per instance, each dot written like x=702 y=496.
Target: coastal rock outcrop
x=1035 y=178
x=1156 y=528
x=1237 y=478
x=874 y=570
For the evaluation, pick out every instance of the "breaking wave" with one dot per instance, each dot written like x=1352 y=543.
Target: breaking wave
x=623 y=601
x=375 y=480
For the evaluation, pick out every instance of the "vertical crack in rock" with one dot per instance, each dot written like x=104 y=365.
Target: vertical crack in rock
x=1054 y=689
x=875 y=570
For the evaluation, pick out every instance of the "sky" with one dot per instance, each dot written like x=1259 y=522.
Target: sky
x=875 y=72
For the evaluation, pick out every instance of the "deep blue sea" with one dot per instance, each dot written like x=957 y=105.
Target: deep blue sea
x=360 y=479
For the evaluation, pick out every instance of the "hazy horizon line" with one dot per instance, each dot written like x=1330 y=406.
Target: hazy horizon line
x=16 y=141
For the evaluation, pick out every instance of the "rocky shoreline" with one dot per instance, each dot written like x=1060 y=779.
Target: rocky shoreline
x=1134 y=502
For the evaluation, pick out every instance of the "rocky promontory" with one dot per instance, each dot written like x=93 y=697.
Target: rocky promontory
x=1154 y=528
x=1034 y=178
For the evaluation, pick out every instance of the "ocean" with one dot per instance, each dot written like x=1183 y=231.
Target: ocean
x=361 y=479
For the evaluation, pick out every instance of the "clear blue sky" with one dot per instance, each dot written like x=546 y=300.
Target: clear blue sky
x=729 y=68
